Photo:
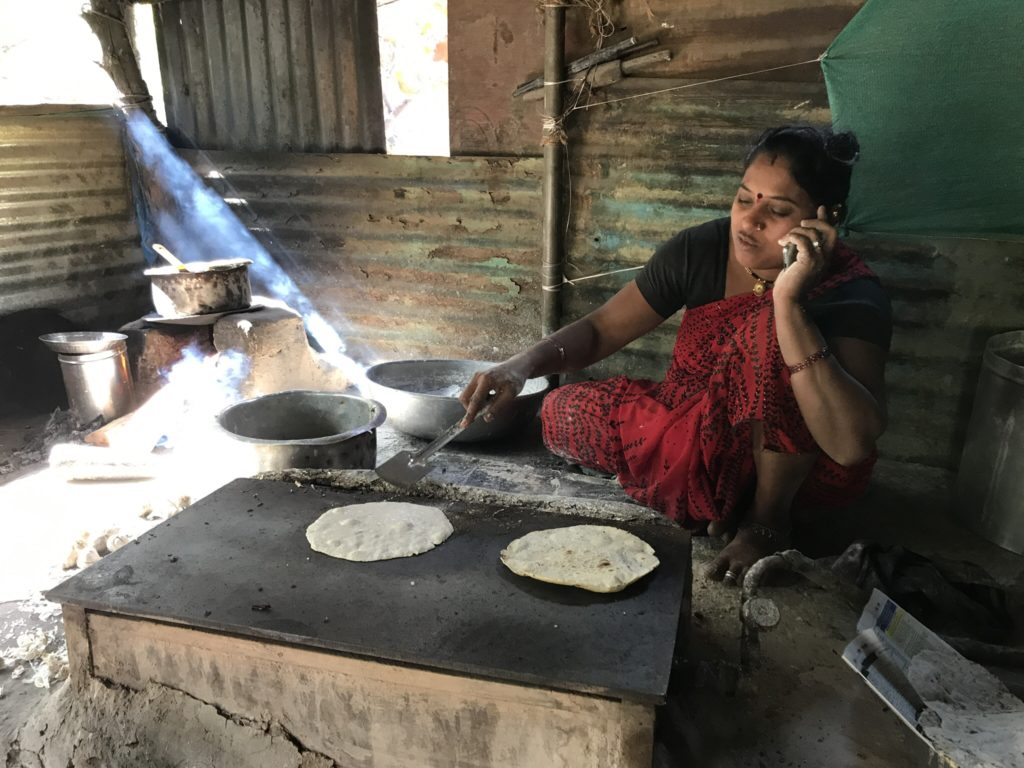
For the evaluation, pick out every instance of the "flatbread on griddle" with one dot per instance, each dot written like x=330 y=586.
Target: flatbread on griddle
x=598 y=558
x=378 y=530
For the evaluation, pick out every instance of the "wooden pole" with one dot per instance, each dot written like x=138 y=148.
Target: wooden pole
x=554 y=153
x=109 y=22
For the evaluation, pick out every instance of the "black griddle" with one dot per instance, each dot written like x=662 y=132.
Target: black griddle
x=238 y=562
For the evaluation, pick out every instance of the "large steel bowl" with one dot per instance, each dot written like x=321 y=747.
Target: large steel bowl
x=303 y=428
x=422 y=398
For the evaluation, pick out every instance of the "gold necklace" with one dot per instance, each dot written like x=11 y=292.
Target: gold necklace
x=760 y=284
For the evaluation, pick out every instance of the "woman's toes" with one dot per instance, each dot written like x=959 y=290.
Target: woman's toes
x=732 y=575
x=716 y=571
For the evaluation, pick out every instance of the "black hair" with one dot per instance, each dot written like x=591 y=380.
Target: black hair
x=820 y=161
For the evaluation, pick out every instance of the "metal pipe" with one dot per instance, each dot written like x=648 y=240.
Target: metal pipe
x=551 y=244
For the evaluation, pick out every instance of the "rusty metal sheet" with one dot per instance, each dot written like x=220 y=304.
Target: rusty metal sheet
x=68 y=239
x=495 y=46
x=413 y=257
x=287 y=75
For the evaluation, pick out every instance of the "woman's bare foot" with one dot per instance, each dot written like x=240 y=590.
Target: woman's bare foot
x=749 y=544
x=721 y=529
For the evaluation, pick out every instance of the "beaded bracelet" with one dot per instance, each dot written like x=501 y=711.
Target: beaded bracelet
x=774 y=535
x=811 y=359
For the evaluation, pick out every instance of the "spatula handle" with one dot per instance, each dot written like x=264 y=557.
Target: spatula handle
x=439 y=442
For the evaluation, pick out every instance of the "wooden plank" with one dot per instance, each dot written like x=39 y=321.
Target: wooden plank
x=181 y=112
x=259 y=74
x=347 y=69
x=328 y=84
x=236 y=75
x=194 y=67
x=222 y=101
x=304 y=75
x=282 y=77
x=363 y=713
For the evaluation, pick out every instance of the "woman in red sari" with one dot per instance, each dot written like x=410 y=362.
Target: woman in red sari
x=775 y=395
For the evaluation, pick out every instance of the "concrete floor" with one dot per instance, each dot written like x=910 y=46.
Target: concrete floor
x=799 y=706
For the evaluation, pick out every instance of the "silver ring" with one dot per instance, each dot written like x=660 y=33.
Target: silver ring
x=730 y=576
x=816 y=244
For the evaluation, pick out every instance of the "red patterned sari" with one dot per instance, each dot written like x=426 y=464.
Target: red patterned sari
x=683 y=446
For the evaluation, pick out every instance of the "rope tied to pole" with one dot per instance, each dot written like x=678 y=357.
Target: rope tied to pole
x=553 y=130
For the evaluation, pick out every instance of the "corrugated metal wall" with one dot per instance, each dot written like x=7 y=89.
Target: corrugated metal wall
x=259 y=75
x=494 y=45
x=68 y=239
x=406 y=257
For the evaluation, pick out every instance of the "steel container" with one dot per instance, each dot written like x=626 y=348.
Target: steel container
x=422 y=398
x=82 y=342
x=305 y=429
x=990 y=482
x=98 y=384
x=206 y=287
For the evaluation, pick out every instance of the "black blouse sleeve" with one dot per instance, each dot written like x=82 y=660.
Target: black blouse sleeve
x=859 y=309
x=687 y=270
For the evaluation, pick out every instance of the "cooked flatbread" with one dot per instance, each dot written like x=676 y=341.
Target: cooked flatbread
x=598 y=558
x=379 y=530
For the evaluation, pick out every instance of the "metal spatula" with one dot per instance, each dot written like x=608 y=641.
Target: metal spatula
x=406 y=468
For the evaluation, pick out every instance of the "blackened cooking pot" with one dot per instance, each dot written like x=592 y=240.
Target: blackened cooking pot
x=205 y=287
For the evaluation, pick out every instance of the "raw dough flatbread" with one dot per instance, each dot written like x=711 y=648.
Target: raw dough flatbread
x=598 y=558
x=379 y=530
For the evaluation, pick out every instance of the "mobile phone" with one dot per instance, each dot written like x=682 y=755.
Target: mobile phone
x=788 y=254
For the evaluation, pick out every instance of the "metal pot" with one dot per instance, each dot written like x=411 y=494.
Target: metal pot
x=302 y=428
x=82 y=342
x=990 y=481
x=422 y=398
x=98 y=383
x=205 y=287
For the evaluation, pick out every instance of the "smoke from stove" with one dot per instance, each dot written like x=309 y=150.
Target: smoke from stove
x=177 y=209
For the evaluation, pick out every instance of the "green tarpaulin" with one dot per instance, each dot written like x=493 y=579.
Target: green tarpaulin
x=934 y=90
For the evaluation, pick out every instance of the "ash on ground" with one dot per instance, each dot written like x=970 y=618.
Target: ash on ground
x=61 y=428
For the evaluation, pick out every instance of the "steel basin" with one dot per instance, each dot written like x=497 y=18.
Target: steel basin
x=303 y=428
x=421 y=397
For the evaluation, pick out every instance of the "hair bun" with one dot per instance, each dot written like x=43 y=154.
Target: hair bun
x=843 y=147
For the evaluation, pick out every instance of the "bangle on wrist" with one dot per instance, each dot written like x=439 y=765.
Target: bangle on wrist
x=556 y=345
x=810 y=360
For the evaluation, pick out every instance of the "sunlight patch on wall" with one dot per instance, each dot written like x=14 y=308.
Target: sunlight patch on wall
x=414 y=75
x=49 y=55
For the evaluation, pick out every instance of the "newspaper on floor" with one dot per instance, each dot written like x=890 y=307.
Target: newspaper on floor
x=964 y=712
